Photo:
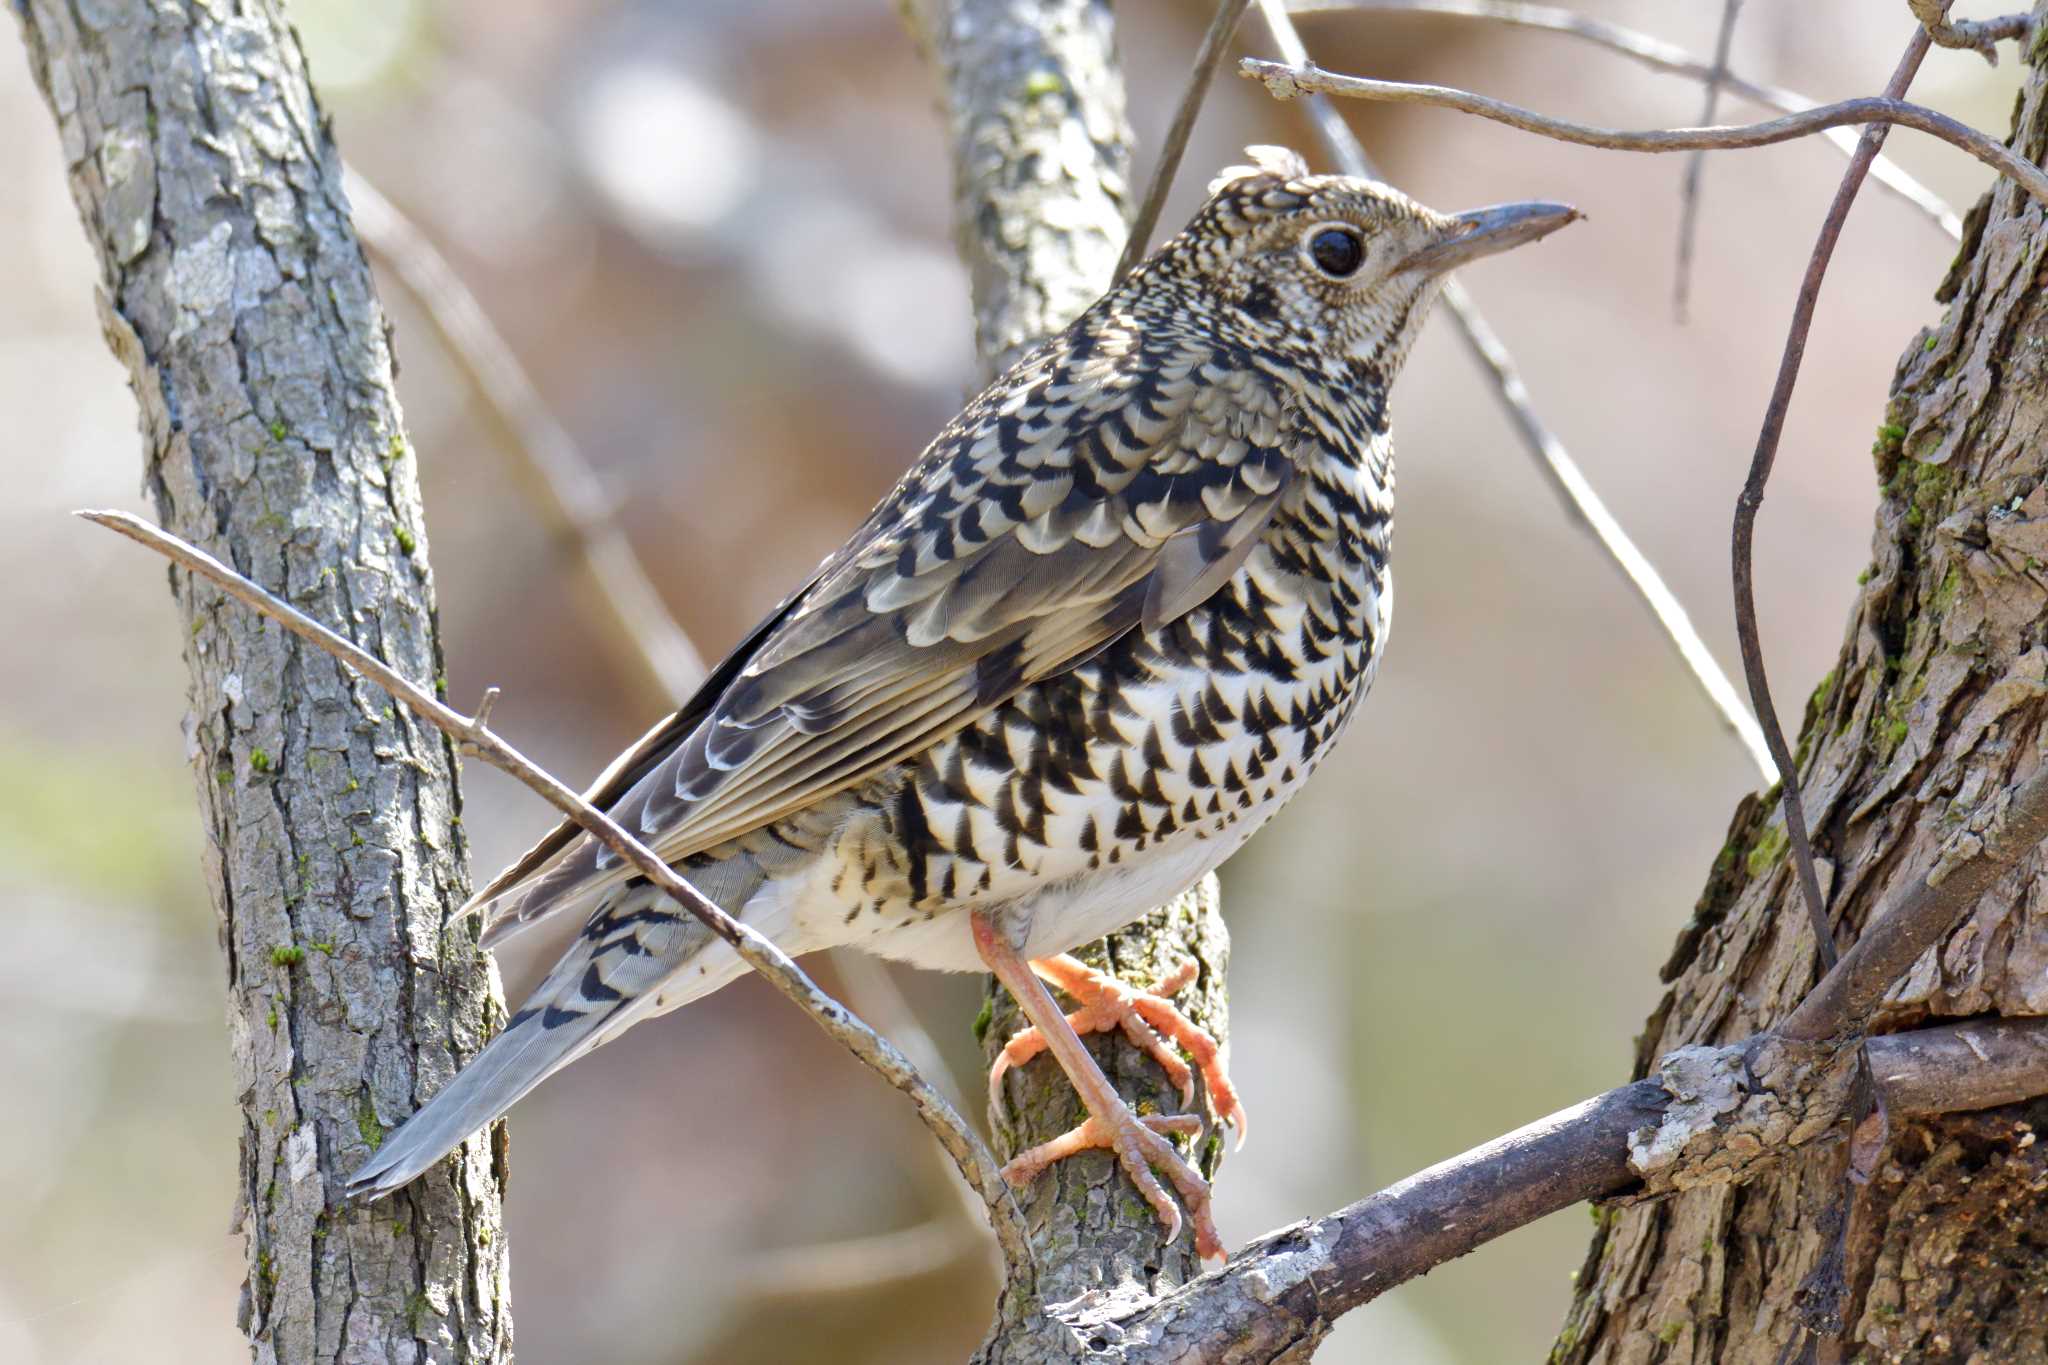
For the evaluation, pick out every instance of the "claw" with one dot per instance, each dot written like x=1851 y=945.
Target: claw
x=1139 y=1142
x=1143 y=1017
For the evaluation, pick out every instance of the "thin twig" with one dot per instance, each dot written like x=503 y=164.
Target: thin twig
x=1972 y=35
x=1752 y=497
x=1695 y=166
x=1215 y=44
x=642 y=636
x=1287 y=81
x=1820 y=1296
x=1555 y=461
x=876 y=1052
x=1657 y=55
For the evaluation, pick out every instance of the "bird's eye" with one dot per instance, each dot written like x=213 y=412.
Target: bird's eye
x=1337 y=251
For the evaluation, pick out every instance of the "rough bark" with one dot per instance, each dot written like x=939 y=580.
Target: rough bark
x=1034 y=103
x=234 y=290
x=1935 y=707
x=1033 y=95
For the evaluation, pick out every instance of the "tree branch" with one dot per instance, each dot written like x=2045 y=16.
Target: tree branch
x=1751 y=500
x=1034 y=101
x=1287 y=81
x=1713 y=1115
x=1695 y=166
x=640 y=634
x=1215 y=45
x=1657 y=55
x=1981 y=36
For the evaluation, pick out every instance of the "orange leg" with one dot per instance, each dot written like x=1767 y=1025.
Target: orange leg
x=1108 y=1003
x=1139 y=1143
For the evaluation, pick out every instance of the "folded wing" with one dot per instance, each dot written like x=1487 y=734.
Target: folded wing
x=1078 y=500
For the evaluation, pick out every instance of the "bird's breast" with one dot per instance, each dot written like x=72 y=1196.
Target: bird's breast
x=1082 y=797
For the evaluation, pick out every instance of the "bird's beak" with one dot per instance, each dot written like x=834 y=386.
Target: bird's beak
x=1481 y=232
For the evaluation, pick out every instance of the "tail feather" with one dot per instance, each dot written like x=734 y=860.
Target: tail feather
x=639 y=955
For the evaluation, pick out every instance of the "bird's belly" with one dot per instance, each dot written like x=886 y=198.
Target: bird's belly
x=1168 y=783
x=1059 y=916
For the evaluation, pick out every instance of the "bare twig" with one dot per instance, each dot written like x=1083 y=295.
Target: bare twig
x=1287 y=81
x=640 y=633
x=1556 y=462
x=876 y=1052
x=1661 y=56
x=1972 y=35
x=1695 y=166
x=1215 y=43
x=1751 y=499
x=1634 y=565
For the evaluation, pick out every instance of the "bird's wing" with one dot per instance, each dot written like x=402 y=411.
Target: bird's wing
x=636 y=762
x=1059 y=511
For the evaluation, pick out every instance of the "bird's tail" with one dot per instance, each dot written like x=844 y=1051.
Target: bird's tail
x=640 y=954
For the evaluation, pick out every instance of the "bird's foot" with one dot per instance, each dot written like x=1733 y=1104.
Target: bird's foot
x=1144 y=1016
x=1141 y=1147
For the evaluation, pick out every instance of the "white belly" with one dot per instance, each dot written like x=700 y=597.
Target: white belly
x=1064 y=915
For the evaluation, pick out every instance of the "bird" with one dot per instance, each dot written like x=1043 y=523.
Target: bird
x=1101 y=631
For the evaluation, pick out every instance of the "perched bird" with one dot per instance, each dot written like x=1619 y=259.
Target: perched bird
x=1098 y=634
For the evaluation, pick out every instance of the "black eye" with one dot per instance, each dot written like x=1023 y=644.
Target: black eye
x=1337 y=251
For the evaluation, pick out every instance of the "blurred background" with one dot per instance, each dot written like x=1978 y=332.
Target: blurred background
x=751 y=321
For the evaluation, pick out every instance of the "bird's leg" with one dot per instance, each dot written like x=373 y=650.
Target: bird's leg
x=1108 y=1003
x=1139 y=1143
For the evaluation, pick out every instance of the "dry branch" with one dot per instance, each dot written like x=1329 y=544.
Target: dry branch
x=1713 y=1116
x=1657 y=55
x=1287 y=81
x=1751 y=499
x=1695 y=166
x=639 y=633
x=1981 y=36
x=1215 y=45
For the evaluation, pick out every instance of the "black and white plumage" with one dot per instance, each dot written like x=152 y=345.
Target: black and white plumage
x=1095 y=637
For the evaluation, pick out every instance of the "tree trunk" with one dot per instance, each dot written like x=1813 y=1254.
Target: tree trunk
x=1034 y=104
x=234 y=290
x=1934 y=708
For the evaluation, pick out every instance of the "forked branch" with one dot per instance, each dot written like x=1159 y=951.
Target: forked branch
x=1287 y=81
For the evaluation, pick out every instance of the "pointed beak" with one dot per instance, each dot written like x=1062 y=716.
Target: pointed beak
x=1481 y=232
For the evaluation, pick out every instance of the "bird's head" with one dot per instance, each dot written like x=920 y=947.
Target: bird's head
x=1338 y=267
